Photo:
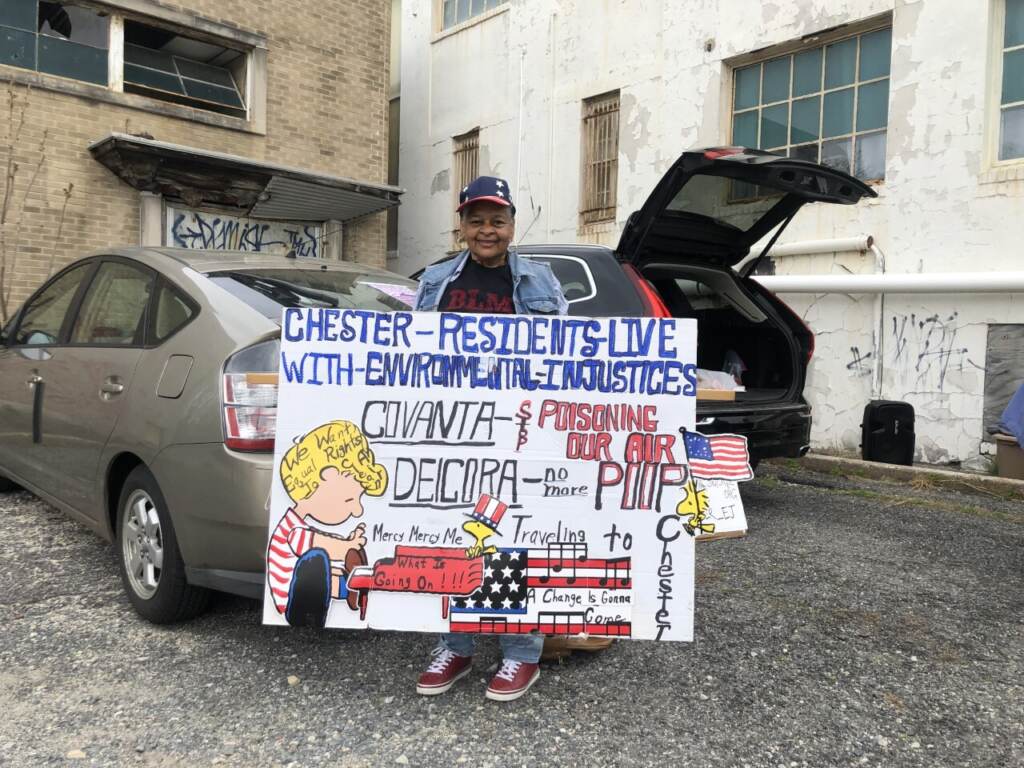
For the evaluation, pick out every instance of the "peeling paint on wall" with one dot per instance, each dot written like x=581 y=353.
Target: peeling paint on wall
x=939 y=208
x=441 y=182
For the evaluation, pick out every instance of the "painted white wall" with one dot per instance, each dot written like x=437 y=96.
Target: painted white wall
x=521 y=76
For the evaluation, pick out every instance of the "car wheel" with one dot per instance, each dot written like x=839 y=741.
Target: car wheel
x=152 y=570
x=7 y=485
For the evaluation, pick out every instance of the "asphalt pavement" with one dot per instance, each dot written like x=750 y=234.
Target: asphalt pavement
x=859 y=623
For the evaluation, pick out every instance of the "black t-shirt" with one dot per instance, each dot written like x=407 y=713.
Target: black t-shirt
x=480 y=289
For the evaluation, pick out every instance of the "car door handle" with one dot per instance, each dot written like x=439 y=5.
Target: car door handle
x=706 y=422
x=112 y=386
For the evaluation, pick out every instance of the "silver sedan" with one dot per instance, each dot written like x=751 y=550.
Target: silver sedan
x=138 y=393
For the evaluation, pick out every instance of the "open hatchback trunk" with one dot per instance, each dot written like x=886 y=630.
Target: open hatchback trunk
x=698 y=224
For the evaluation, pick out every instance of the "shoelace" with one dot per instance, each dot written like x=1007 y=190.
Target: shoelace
x=442 y=658
x=509 y=669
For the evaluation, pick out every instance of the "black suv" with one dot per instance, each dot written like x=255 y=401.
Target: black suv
x=677 y=258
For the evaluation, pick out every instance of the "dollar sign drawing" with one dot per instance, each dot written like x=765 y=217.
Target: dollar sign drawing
x=523 y=416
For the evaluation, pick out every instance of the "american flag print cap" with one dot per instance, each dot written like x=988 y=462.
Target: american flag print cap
x=486 y=188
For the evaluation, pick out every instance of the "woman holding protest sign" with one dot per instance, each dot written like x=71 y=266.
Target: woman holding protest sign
x=488 y=277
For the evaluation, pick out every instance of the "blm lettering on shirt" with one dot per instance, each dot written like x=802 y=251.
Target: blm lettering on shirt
x=480 y=289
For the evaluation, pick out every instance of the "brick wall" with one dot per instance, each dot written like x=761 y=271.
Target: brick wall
x=326 y=111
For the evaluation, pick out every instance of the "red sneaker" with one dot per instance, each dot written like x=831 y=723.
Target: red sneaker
x=444 y=671
x=512 y=680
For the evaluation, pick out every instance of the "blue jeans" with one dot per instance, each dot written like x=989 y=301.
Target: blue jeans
x=524 y=648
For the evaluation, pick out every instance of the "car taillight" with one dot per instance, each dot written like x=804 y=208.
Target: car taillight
x=653 y=305
x=250 y=397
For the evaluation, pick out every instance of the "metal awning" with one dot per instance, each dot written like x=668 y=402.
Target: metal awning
x=262 y=190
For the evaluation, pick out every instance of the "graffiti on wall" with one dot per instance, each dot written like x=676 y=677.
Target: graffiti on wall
x=928 y=348
x=860 y=362
x=221 y=232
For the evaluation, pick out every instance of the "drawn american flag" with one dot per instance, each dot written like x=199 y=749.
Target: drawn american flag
x=504 y=587
x=718 y=457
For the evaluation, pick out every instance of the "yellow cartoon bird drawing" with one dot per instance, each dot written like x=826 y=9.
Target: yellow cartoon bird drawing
x=694 y=508
x=482 y=524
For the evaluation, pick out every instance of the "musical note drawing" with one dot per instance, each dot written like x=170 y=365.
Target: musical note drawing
x=494 y=625
x=560 y=622
x=616 y=566
x=557 y=555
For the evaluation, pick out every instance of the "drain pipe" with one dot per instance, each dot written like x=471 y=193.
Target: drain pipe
x=860 y=243
x=878 y=363
x=933 y=282
x=881 y=283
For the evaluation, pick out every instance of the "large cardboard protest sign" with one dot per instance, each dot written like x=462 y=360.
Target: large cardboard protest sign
x=440 y=472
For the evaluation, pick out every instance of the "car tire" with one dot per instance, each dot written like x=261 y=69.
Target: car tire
x=152 y=570
x=6 y=486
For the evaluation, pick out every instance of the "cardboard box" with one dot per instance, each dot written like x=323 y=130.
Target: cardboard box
x=715 y=394
x=1009 y=458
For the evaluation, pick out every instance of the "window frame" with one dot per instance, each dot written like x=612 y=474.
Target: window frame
x=65 y=327
x=592 y=283
x=593 y=109
x=76 y=306
x=810 y=42
x=253 y=46
x=994 y=106
x=460 y=180
x=164 y=283
x=39 y=36
x=441 y=31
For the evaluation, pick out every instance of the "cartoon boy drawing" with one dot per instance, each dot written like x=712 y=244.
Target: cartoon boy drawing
x=326 y=472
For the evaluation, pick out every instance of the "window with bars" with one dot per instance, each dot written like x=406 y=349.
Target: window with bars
x=600 y=158
x=1011 y=99
x=828 y=104
x=465 y=168
x=454 y=12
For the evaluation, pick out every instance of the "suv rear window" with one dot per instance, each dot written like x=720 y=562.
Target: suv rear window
x=268 y=291
x=724 y=201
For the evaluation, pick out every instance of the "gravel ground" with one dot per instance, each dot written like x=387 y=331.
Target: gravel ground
x=859 y=623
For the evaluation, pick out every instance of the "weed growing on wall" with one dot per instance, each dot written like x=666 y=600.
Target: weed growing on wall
x=21 y=168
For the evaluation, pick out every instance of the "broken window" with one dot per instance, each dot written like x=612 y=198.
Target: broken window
x=81 y=42
x=1011 y=101
x=828 y=104
x=455 y=12
x=169 y=66
x=61 y=39
x=600 y=157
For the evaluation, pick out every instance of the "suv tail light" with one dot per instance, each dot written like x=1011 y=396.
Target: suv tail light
x=653 y=305
x=250 y=397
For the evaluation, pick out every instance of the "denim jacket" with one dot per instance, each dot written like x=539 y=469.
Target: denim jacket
x=535 y=289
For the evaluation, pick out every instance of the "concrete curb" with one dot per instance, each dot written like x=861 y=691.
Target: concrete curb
x=946 y=478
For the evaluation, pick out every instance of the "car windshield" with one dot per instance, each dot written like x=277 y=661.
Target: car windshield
x=724 y=201
x=268 y=291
